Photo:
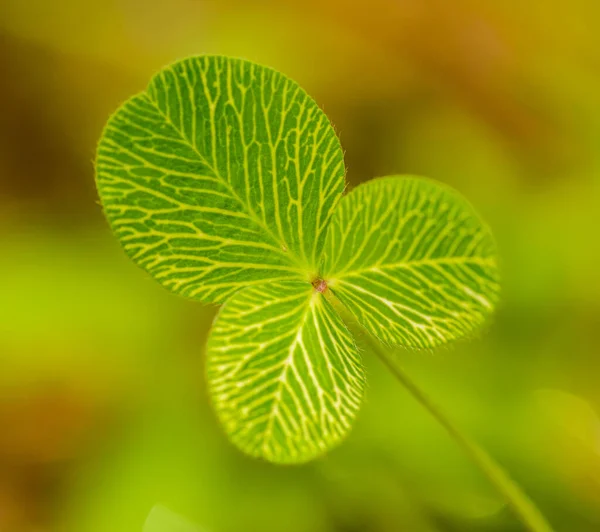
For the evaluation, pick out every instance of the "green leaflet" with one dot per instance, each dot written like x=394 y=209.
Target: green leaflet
x=412 y=261
x=222 y=174
x=284 y=373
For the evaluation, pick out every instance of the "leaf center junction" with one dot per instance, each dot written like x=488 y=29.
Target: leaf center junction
x=320 y=285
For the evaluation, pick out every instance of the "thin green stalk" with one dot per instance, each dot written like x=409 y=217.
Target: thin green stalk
x=515 y=497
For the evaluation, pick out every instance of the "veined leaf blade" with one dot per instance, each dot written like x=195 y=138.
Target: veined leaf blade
x=223 y=173
x=412 y=261
x=284 y=374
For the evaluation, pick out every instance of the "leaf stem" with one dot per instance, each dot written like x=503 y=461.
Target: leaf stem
x=512 y=493
x=515 y=497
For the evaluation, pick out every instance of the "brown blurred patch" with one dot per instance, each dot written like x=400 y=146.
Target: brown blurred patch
x=53 y=108
x=473 y=54
x=46 y=429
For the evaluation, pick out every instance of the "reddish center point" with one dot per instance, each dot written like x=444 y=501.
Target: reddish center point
x=320 y=285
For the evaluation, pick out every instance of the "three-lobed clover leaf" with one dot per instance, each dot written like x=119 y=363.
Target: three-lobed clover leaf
x=222 y=180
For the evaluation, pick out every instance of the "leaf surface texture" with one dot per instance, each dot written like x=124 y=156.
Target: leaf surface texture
x=222 y=174
x=412 y=261
x=284 y=374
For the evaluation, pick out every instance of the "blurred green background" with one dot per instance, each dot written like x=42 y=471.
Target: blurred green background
x=103 y=405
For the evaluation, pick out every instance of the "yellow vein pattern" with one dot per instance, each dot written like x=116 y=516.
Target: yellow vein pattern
x=223 y=173
x=412 y=261
x=284 y=373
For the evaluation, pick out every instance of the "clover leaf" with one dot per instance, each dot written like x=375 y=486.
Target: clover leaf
x=283 y=371
x=221 y=175
x=222 y=180
x=412 y=261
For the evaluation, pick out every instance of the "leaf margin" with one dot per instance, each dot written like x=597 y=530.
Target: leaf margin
x=333 y=277
x=319 y=448
x=305 y=273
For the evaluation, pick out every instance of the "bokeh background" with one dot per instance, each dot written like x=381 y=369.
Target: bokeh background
x=103 y=405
